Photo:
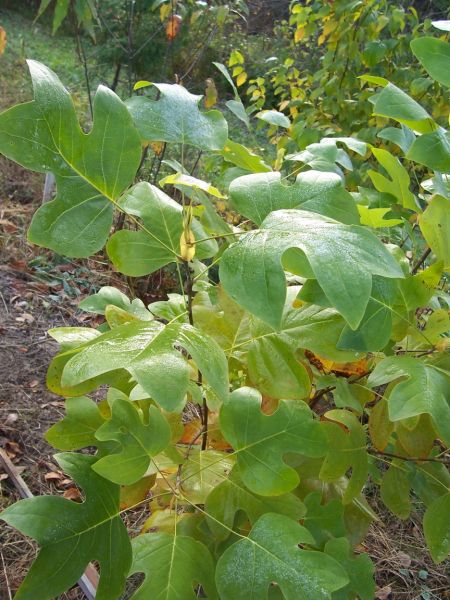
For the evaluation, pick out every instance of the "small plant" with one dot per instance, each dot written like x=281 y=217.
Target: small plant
x=315 y=360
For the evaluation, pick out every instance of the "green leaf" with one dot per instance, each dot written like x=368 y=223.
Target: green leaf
x=394 y=490
x=255 y=196
x=435 y=225
x=402 y=136
x=111 y=296
x=173 y=565
x=139 y=443
x=374 y=217
x=242 y=157
x=275 y=371
x=347 y=449
x=434 y=55
x=395 y=104
x=146 y=351
x=44 y=135
x=176 y=117
x=73 y=337
x=432 y=150
x=139 y=253
x=375 y=328
x=261 y=441
x=425 y=390
x=271 y=553
x=231 y=496
x=275 y=118
x=360 y=571
x=436 y=525
x=61 y=10
x=324 y=156
x=323 y=521
x=398 y=186
x=418 y=289
x=342 y=257
x=72 y=534
x=77 y=429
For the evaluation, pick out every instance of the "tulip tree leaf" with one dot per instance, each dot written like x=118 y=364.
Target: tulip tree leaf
x=173 y=565
x=394 y=490
x=176 y=117
x=44 y=135
x=435 y=227
x=421 y=388
x=275 y=371
x=203 y=470
x=261 y=441
x=434 y=56
x=343 y=258
x=107 y=296
x=139 y=442
x=72 y=534
x=271 y=553
x=138 y=253
x=146 y=350
x=77 y=429
x=398 y=185
x=374 y=331
x=255 y=196
x=432 y=150
x=347 y=449
x=359 y=569
x=231 y=496
x=323 y=521
x=394 y=103
x=436 y=524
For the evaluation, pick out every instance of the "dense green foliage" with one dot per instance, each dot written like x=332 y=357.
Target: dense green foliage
x=315 y=356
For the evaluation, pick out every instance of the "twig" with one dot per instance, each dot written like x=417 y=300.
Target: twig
x=6 y=576
x=444 y=461
x=421 y=260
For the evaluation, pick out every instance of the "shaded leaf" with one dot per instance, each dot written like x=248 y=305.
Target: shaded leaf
x=420 y=388
x=157 y=244
x=360 y=571
x=436 y=525
x=231 y=496
x=347 y=449
x=261 y=441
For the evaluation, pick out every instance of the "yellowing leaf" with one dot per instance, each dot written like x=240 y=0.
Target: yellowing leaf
x=157 y=147
x=173 y=27
x=299 y=34
x=210 y=93
x=241 y=79
x=2 y=40
x=187 y=245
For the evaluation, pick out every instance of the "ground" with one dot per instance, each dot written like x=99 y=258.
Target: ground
x=40 y=291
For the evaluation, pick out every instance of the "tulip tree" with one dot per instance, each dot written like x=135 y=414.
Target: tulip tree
x=315 y=357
